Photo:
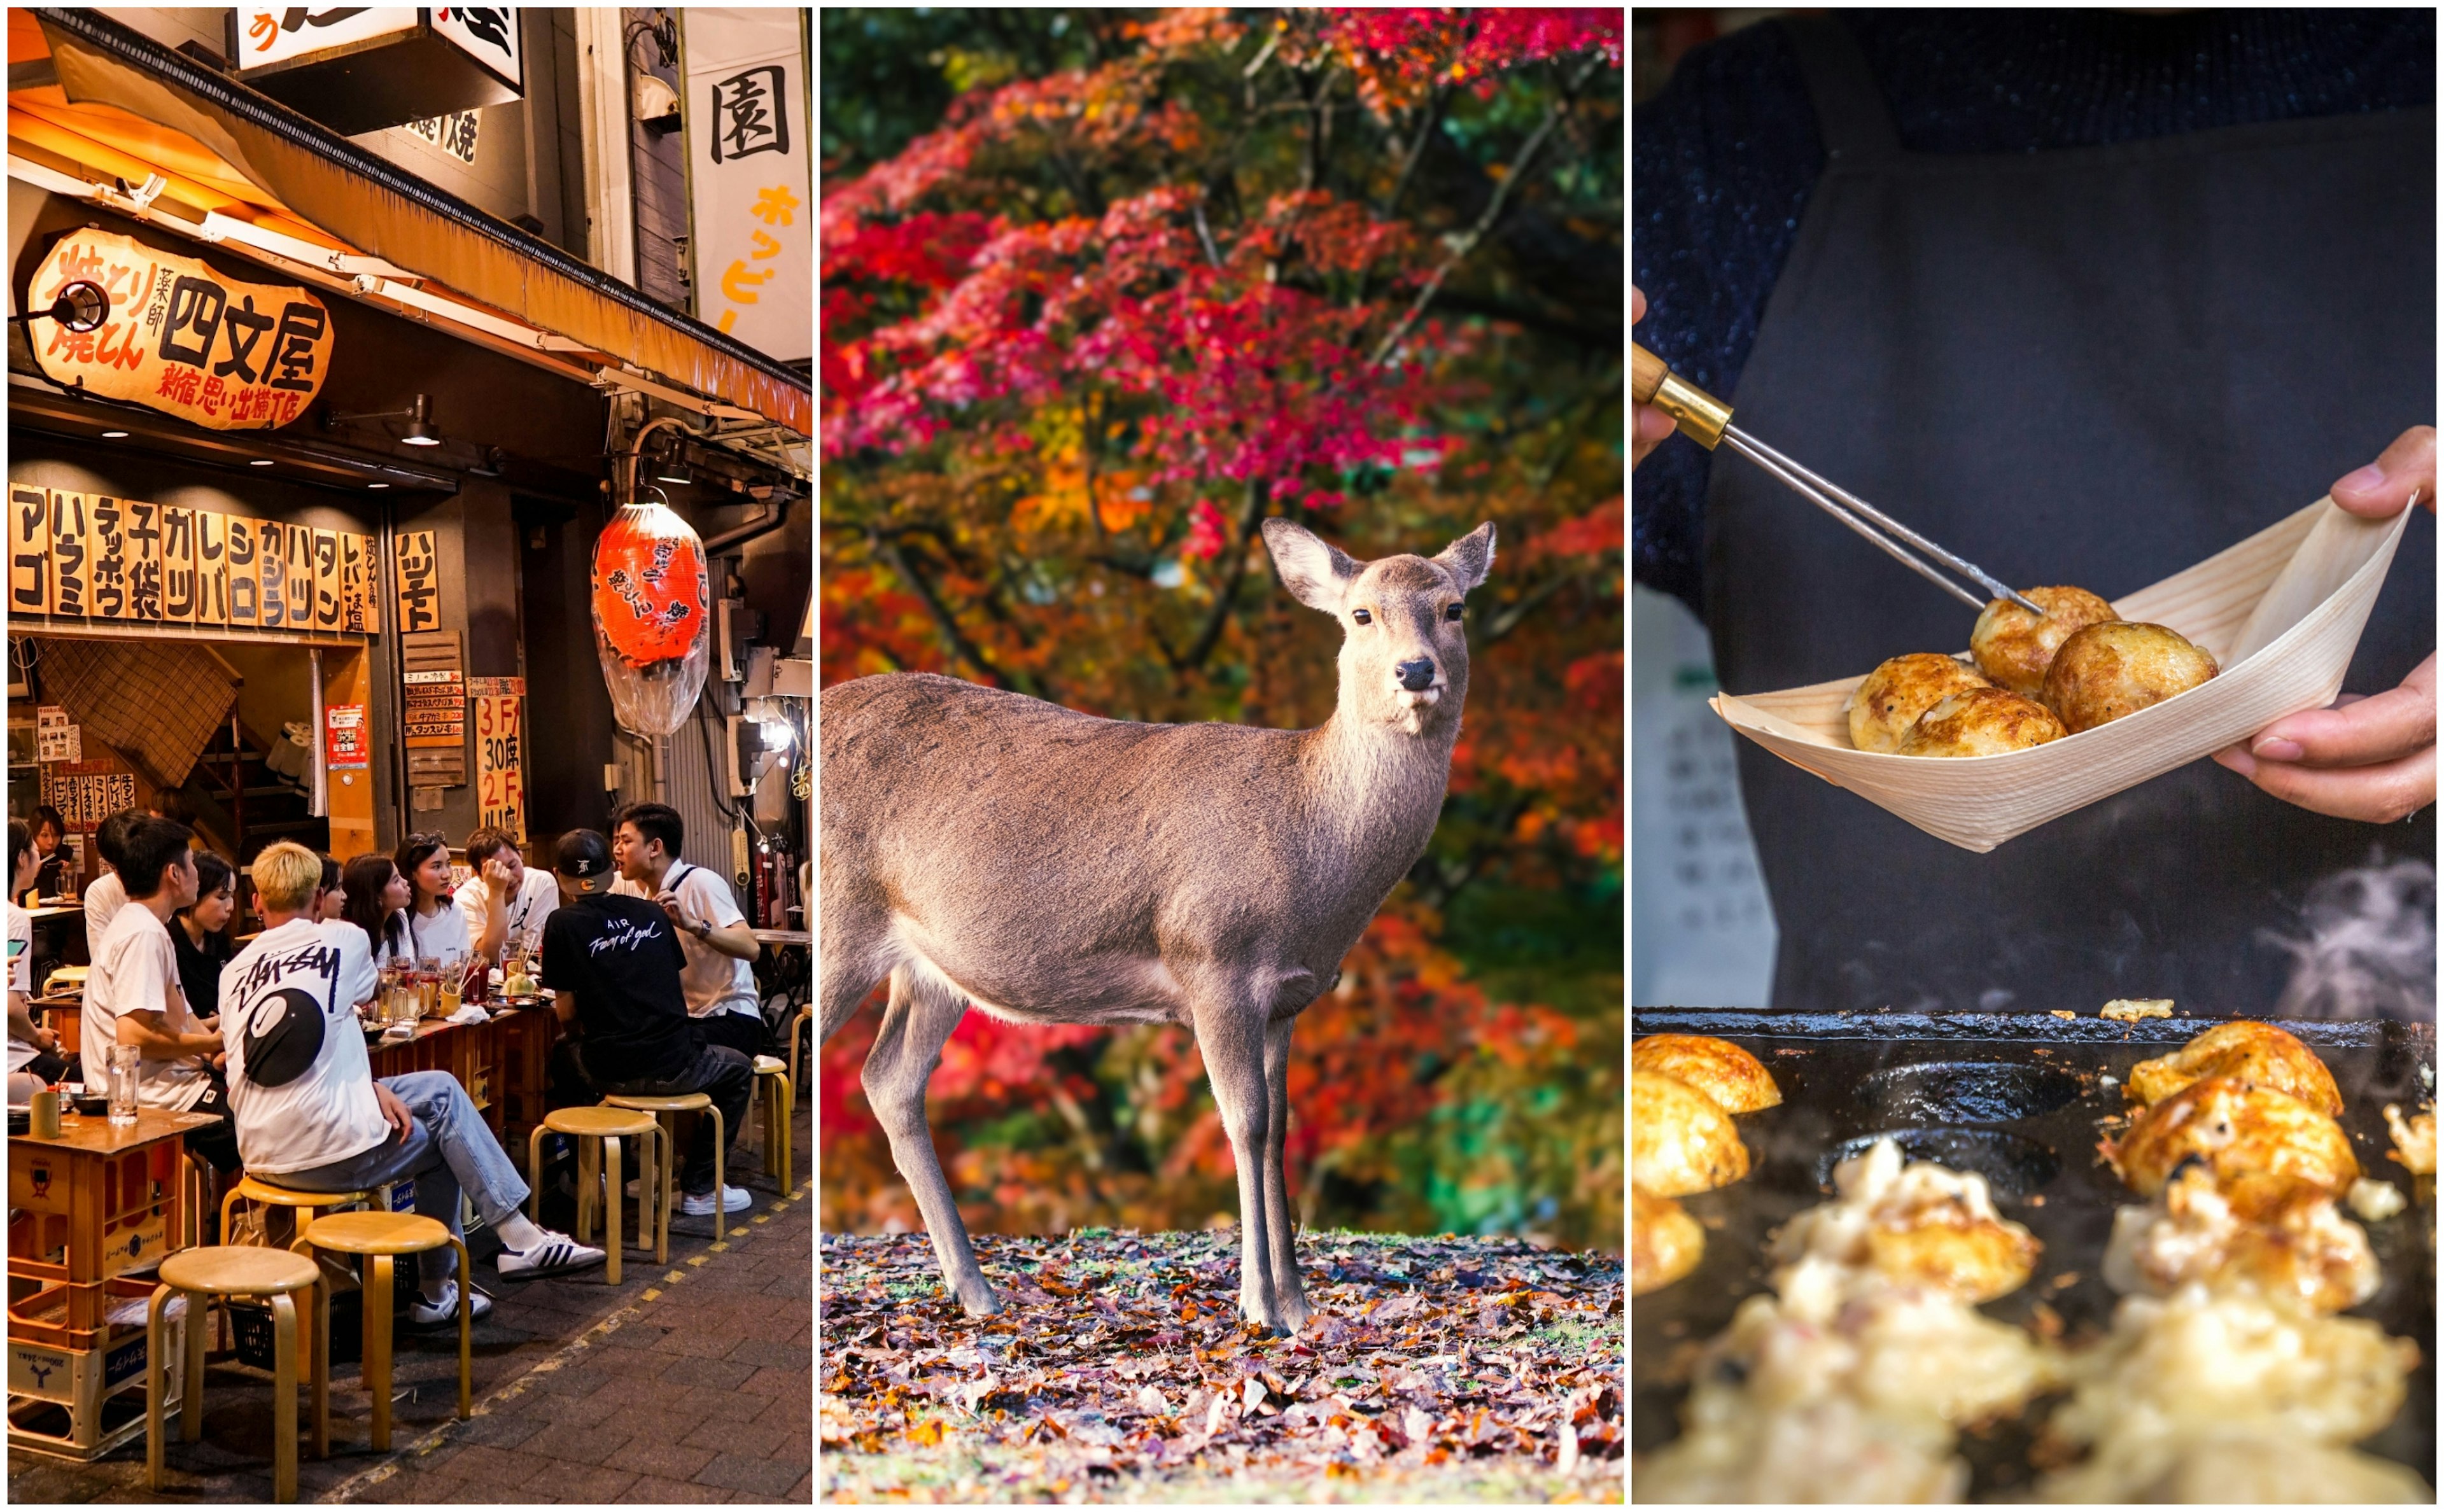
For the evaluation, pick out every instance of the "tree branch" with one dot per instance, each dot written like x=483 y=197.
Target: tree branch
x=1499 y=624
x=1427 y=117
x=1466 y=243
x=1252 y=514
x=955 y=640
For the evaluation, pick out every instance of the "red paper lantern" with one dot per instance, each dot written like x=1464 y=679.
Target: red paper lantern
x=653 y=627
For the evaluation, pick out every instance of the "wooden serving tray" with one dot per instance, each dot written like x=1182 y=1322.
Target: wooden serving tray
x=2281 y=612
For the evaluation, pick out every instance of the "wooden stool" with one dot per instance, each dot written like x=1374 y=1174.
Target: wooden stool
x=797 y=1027
x=237 y=1270
x=664 y=1111
x=380 y=1237
x=598 y=1133
x=254 y=1189
x=777 y=1090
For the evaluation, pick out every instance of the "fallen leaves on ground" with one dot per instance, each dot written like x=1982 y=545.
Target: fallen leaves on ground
x=1434 y=1370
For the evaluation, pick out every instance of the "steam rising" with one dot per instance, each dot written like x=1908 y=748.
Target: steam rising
x=2370 y=951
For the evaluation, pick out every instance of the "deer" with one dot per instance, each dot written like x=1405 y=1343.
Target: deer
x=981 y=848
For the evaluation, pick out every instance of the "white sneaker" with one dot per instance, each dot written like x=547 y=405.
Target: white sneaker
x=549 y=1256
x=432 y=1315
x=697 y=1204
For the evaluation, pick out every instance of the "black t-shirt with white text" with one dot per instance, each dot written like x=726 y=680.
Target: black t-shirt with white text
x=622 y=959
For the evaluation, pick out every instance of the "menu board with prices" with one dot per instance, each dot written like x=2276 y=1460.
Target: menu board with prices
x=433 y=707
x=89 y=556
x=87 y=792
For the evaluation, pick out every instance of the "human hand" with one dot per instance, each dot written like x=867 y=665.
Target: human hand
x=670 y=902
x=394 y=1111
x=1649 y=426
x=496 y=878
x=2364 y=758
x=46 y=1040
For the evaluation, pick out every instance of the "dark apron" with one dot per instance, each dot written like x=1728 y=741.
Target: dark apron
x=2094 y=366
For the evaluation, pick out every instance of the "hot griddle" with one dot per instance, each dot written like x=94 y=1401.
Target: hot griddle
x=2018 y=1099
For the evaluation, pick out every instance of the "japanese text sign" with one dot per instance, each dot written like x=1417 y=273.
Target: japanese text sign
x=500 y=757
x=752 y=200
x=273 y=34
x=182 y=339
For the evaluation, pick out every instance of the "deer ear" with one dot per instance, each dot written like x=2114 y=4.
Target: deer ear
x=1314 y=570
x=1469 y=558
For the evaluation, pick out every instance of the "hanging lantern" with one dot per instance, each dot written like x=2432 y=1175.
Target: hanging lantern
x=653 y=626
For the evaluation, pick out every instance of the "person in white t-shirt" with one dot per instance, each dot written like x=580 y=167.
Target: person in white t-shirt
x=31 y=1048
x=132 y=995
x=310 y=1115
x=436 y=926
x=106 y=895
x=531 y=896
x=715 y=936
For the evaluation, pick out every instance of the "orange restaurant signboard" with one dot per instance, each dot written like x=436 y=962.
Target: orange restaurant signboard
x=182 y=339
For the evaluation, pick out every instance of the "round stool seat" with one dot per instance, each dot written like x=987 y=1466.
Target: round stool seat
x=675 y=1102
x=766 y=1065
x=378 y=1233
x=239 y=1270
x=251 y=1189
x=599 y=1123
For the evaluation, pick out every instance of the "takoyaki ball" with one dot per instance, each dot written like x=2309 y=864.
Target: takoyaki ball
x=1664 y=1241
x=2240 y=1131
x=1981 y=722
x=2013 y=647
x=1737 y=1081
x=1888 y=700
x=2244 y=1048
x=1679 y=1140
x=2109 y=671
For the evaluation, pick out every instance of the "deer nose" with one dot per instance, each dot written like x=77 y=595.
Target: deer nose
x=1417 y=677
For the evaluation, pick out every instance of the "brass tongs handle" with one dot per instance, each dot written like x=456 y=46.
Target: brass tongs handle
x=1701 y=416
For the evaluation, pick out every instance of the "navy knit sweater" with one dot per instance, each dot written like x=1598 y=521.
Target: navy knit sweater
x=1724 y=158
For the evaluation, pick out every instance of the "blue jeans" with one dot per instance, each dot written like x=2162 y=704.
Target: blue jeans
x=448 y=1147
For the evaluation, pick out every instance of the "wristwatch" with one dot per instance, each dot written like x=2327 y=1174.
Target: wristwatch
x=700 y=930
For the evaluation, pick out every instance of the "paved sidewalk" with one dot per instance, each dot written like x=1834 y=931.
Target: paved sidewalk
x=697 y=1389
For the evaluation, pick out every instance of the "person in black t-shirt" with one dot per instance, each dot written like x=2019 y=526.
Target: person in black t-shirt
x=612 y=967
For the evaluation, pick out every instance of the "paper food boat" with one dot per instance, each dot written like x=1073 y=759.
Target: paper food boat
x=2281 y=612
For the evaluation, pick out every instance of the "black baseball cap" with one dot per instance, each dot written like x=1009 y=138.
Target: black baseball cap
x=583 y=854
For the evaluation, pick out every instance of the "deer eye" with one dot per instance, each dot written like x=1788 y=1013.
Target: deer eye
x=1453 y=610
x=1361 y=617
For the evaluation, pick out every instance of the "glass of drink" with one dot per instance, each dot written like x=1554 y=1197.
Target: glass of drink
x=126 y=1063
x=428 y=982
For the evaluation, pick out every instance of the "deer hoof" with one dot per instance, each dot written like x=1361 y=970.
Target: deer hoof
x=985 y=1305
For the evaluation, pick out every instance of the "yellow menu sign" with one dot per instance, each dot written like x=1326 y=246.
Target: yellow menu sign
x=182 y=339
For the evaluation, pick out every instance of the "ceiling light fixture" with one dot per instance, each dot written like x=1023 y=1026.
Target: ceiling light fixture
x=114 y=436
x=675 y=468
x=377 y=485
x=419 y=416
x=260 y=462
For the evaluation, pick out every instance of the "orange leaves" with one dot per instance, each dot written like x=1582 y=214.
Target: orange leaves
x=1592 y=534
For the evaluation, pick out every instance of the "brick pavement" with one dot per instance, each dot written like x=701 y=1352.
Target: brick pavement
x=698 y=1389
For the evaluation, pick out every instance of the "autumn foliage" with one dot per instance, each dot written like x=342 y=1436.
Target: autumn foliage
x=1079 y=340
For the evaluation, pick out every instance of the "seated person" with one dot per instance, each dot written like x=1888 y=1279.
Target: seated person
x=612 y=967
x=31 y=1048
x=52 y=857
x=335 y=897
x=529 y=896
x=105 y=893
x=199 y=932
x=310 y=1116
x=716 y=937
x=132 y=996
x=437 y=927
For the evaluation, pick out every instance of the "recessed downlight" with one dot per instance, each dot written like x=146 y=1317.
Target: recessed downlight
x=377 y=485
x=260 y=462
x=114 y=436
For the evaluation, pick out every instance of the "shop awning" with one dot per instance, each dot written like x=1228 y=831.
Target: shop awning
x=113 y=104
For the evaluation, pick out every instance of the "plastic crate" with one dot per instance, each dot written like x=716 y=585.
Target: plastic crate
x=250 y=1325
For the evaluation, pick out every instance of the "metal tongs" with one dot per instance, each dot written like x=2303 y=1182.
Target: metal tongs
x=1707 y=420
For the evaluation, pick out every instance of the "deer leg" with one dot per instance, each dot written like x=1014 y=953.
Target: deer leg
x=915 y=1025
x=1287 y=1290
x=1233 y=1041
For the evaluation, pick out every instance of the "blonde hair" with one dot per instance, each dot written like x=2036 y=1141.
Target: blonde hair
x=287 y=875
